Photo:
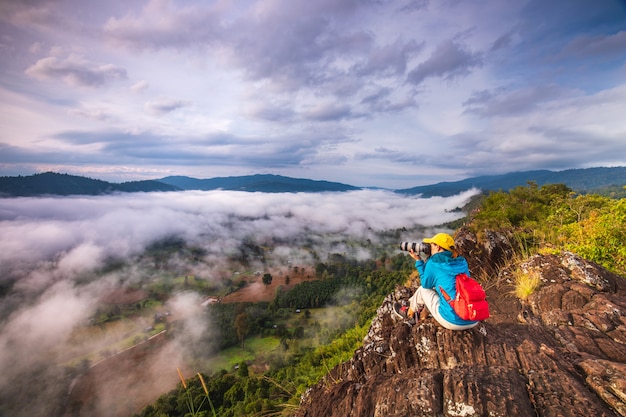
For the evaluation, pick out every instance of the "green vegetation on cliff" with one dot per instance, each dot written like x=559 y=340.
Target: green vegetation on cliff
x=553 y=216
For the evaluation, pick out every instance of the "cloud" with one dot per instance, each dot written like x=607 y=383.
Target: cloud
x=396 y=156
x=96 y=114
x=328 y=112
x=390 y=59
x=504 y=101
x=67 y=230
x=597 y=46
x=165 y=105
x=449 y=60
x=415 y=5
x=387 y=100
x=82 y=258
x=161 y=24
x=217 y=149
x=555 y=132
x=278 y=112
x=35 y=13
x=40 y=327
x=139 y=87
x=290 y=46
x=33 y=334
x=75 y=71
x=295 y=44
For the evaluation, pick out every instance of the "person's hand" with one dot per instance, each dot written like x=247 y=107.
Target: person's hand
x=417 y=256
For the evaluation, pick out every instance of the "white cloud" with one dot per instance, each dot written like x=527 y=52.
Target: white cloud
x=75 y=71
x=161 y=24
x=30 y=334
x=448 y=61
x=79 y=233
x=82 y=258
x=139 y=87
x=164 y=105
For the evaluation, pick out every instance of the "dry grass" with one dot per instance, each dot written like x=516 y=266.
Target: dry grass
x=526 y=283
x=193 y=411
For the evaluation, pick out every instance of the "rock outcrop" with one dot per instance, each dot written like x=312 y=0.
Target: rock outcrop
x=562 y=352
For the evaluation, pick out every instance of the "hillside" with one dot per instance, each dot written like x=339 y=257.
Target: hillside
x=260 y=183
x=51 y=183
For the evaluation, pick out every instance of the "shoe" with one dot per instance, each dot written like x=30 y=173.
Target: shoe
x=401 y=311
x=421 y=314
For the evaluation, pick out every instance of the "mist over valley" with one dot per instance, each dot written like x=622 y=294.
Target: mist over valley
x=84 y=278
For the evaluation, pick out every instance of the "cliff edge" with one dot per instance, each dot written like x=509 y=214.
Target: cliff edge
x=562 y=352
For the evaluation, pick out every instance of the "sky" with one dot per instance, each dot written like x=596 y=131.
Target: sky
x=370 y=93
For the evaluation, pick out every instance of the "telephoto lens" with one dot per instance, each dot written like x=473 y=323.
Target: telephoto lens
x=416 y=247
x=407 y=246
x=424 y=248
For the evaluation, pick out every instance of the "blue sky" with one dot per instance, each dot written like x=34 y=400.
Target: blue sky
x=369 y=93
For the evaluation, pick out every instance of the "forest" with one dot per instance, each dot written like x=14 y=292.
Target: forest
x=540 y=219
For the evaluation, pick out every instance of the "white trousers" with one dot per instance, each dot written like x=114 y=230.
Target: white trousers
x=430 y=299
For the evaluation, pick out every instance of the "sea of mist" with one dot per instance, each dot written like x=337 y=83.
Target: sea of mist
x=51 y=248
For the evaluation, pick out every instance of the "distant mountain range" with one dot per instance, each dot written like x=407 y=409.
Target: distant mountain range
x=580 y=180
x=266 y=183
x=50 y=183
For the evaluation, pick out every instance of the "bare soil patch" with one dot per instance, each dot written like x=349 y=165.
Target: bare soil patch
x=255 y=291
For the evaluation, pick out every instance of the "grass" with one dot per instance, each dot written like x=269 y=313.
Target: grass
x=526 y=283
x=258 y=349
x=255 y=347
x=325 y=316
x=193 y=410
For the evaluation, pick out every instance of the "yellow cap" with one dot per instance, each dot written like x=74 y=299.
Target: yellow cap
x=441 y=239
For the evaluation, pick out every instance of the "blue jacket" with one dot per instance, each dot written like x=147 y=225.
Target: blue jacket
x=438 y=272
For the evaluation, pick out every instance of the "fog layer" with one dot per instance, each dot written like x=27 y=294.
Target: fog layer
x=48 y=246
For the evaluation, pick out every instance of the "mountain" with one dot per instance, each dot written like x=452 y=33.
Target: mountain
x=51 y=183
x=266 y=183
x=580 y=180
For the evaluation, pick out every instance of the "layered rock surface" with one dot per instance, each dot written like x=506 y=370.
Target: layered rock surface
x=560 y=353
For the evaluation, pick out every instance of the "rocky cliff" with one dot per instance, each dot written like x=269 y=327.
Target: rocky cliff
x=562 y=352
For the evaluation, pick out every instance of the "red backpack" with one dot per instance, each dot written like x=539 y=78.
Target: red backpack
x=470 y=302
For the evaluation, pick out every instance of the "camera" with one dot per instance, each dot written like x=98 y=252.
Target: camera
x=417 y=247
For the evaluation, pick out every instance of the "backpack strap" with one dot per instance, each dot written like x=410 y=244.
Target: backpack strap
x=445 y=294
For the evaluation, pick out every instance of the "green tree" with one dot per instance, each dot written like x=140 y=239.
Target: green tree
x=267 y=279
x=600 y=237
x=241 y=325
x=243 y=371
x=320 y=267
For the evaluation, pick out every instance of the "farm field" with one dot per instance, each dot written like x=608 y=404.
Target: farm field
x=137 y=339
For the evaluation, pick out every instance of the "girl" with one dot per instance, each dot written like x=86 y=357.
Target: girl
x=438 y=272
